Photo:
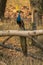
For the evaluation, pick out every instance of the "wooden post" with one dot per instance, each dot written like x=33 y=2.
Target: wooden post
x=23 y=40
x=34 y=20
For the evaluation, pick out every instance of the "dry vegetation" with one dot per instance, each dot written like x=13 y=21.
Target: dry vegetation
x=15 y=56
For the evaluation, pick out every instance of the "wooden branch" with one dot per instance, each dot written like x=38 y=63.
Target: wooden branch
x=7 y=39
x=35 y=56
x=7 y=46
x=20 y=33
x=19 y=50
x=36 y=43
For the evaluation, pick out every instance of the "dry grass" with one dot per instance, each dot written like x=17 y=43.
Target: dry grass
x=16 y=57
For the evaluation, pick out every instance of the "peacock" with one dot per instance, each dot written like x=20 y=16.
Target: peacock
x=22 y=39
